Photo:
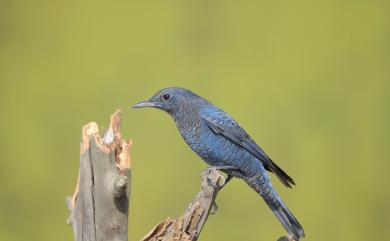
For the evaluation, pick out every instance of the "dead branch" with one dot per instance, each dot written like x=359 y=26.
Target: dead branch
x=190 y=224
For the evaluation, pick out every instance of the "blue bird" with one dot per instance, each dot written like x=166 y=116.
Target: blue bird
x=222 y=143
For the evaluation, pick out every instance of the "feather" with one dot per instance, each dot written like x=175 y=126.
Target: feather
x=233 y=132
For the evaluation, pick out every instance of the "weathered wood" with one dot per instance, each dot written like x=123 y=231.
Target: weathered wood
x=190 y=224
x=100 y=204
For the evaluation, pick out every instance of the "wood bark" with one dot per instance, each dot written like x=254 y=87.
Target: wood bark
x=190 y=224
x=100 y=204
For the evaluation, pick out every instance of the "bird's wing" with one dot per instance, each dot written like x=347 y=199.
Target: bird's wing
x=221 y=123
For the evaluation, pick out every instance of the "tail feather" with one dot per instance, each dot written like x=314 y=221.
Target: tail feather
x=287 y=219
x=261 y=184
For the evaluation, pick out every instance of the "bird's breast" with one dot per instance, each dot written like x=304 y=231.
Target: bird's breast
x=214 y=149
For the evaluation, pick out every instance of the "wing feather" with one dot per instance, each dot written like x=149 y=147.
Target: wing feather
x=233 y=132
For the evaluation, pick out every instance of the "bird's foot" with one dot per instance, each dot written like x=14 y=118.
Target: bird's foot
x=225 y=181
x=214 y=208
x=213 y=183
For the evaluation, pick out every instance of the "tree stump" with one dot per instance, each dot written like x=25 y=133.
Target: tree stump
x=99 y=207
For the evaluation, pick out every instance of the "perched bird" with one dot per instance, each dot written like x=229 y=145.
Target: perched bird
x=222 y=143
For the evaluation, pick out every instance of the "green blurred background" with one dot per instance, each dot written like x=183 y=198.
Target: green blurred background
x=309 y=80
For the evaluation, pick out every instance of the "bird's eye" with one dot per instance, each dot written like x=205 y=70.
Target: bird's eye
x=166 y=97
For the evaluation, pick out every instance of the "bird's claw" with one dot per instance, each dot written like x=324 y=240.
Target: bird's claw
x=214 y=208
x=209 y=181
x=225 y=181
x=210 y=169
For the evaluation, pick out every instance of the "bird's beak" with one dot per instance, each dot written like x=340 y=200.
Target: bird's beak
x=146 y=103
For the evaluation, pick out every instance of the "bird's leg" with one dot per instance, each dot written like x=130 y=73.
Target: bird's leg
x=218 y=186
x=214 y=208
x=221 y=168
x=227 y=179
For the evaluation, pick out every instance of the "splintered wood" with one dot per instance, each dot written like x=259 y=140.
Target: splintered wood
x=189 y=225
x=99 y=206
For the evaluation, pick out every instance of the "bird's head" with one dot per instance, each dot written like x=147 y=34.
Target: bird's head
x=172 y=100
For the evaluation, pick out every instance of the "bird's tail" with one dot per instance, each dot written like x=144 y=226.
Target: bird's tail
x=262 y=185
x=287 y=219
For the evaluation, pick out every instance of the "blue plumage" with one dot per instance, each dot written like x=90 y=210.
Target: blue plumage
x=219 y=140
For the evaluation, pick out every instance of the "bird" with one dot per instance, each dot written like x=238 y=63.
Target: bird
x=223 y=144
